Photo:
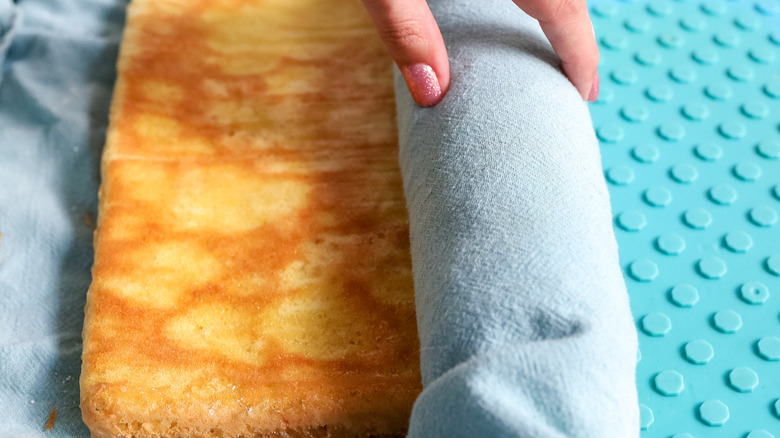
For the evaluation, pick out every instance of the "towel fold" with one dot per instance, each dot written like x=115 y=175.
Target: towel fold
x=522 y=310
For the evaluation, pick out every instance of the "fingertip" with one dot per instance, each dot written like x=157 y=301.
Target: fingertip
x=572 y=36
x=423 y=84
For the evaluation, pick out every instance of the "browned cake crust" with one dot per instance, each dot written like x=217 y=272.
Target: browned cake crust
x=252 y=273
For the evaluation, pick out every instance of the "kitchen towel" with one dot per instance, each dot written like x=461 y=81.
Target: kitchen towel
x=57 y=76
x=522 y=310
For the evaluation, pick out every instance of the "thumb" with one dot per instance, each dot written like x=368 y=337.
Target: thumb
x=567 y=25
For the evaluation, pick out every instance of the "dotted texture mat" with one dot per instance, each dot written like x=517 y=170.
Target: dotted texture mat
x=689 y=124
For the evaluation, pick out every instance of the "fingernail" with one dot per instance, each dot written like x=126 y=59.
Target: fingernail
x=594 y=89
x=422 y=83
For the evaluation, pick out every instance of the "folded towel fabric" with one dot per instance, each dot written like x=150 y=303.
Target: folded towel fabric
x=57 y=59
x=522 y=310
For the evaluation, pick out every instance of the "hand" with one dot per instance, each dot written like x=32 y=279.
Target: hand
x=413 y=38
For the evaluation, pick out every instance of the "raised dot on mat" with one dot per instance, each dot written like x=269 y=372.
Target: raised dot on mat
x=637 y=24
x=669 y=383
x=772 y=89
x=763 y=216
x=732 y=130
x=614 y=42
x=634 y=113
x=631 y=220
x=762 y=55
x=760 y=433
x=705 y=55
x=643 y=270
x=671 y=131
x=718 y=91
x=708 y=151
x=722 y=194
x=695 y=111
x=774 y=36
x=738 y=241
x=712 y=267
x=605 y=95
x=670 y=40
x=658 y=196
x=697 y=218
x=684 y=173
x=747 y=22
x=605 y=9
x=624 y=76
x=646 y=153
x=620 y=175
x=693 y=23
x=609 y=133
x=773 y=265
x=768 y=7
x=682 y=74
x=747 y=171
x=743 y=379
x=646 y=417
x=659 y=93
x=684 y=295
x=754 y=292
x=726 y=38
x=713 y=7
x=670 y=244
x=740 y=72
x=656 y=324
x=776 y=192
x=769 y=348
x=683 y=435
x=714 y=413
x=647 y=57
x=777 y=407
x=769 y=149
x=755 y=109
x=659 y=8
x=699 y=352
x=727 y=321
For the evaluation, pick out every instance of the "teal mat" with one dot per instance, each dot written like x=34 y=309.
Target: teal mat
x=689 y=124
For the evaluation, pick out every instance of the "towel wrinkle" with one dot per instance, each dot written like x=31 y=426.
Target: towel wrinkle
x=9 y=23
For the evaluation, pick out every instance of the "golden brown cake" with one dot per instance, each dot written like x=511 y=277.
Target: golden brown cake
x=252 y=271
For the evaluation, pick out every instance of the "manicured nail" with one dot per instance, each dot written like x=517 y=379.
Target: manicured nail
x=422 y=83
x=594 y=89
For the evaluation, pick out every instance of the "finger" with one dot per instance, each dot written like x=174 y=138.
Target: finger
x=412 y=36
x=567 y=25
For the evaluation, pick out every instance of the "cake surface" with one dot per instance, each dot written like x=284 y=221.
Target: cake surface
x=252 y=273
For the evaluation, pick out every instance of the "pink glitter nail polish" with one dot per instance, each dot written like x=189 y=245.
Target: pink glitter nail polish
x=423 y=84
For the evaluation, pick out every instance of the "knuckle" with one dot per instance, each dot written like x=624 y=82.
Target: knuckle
x=560 y=10
x=404 y=33
x=377 y=4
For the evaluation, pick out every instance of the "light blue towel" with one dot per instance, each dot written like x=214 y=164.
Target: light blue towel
x=57 y=76
x=523 y=314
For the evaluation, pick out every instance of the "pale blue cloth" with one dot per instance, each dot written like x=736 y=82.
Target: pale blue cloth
x=523 y=314
x=57 y=76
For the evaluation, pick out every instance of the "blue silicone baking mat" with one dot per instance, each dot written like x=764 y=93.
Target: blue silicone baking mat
x=689 y=124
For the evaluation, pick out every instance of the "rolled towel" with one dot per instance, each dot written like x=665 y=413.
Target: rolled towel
x=523 y=315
